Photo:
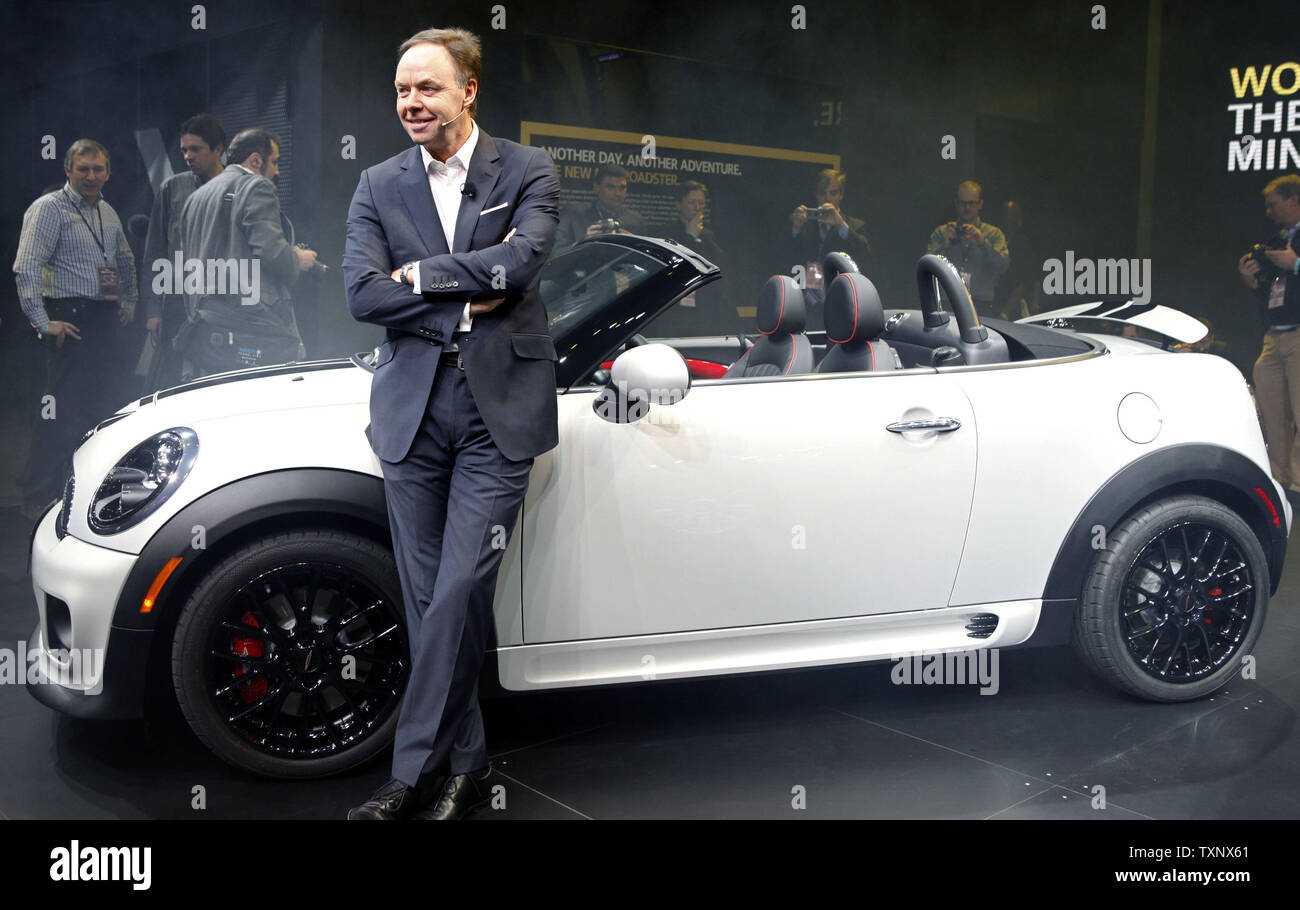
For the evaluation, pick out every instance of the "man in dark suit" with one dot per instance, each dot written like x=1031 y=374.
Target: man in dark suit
x=445 y=244
x=583 y=221
x=823 y=229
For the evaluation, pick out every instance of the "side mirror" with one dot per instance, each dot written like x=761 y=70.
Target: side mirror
x=641 y=376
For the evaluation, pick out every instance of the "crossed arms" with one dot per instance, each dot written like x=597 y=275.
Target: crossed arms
x=503 y=269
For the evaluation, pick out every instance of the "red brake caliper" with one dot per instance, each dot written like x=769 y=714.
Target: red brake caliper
x=254 y=689
x=1213 y=592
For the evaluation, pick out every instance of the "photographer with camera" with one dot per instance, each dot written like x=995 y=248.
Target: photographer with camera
x=1272 y=271
x=977 y=248
x=816 y=230
x=606 y=215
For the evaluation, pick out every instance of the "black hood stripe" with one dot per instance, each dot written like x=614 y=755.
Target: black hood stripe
x=310 y=366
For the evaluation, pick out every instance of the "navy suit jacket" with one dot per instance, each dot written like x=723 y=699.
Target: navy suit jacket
x=509 y=356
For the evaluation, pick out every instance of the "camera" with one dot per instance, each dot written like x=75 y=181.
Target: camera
x=1257 y=252
x=609 y=225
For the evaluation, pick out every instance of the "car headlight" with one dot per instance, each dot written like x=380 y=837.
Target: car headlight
x=142 y=480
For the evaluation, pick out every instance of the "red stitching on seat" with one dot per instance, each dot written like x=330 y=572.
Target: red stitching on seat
x=780 y=312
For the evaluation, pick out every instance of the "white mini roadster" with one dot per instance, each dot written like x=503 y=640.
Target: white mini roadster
x=908 y=481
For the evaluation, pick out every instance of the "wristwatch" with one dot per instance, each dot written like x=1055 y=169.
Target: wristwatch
x=406 y=270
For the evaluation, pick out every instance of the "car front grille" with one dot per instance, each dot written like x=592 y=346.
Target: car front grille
x=61 y=520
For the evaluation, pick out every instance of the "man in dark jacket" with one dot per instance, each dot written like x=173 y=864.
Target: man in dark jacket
x=1277 y=287
x=203 y=141
x=580 y=222
x=823 y=229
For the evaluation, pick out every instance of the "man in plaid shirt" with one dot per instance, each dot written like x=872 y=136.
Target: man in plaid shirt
x=77 y=236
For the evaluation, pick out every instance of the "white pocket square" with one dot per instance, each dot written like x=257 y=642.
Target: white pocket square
x=493 y=209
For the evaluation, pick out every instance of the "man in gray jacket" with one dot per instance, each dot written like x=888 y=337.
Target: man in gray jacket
x=240 y=308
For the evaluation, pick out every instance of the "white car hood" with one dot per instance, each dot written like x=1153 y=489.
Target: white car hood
x=325 y=383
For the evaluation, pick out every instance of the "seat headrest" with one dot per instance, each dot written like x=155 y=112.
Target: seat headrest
x=853 y=310
x=781 y=307
x=836 y=264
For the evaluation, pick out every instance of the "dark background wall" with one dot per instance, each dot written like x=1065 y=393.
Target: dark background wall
x=1045 y=109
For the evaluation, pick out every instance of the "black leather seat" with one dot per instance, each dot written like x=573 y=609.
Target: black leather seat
x=854 y=321
x=784 y=350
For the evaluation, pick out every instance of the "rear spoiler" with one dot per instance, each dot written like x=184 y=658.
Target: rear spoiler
x=1161 y=319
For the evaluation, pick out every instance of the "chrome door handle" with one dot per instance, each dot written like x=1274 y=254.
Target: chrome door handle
x=942 y=424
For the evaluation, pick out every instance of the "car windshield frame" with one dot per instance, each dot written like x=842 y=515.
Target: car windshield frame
x=600 y=317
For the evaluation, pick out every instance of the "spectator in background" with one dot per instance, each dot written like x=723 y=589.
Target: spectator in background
x=235 y=216
x=701 y=312
x=689 y=230
x=823 y=229
x=203 y=140
x=976 y=248
x=1019 y=290
x=1277 y=288
x=580 y=222
x=76 y=278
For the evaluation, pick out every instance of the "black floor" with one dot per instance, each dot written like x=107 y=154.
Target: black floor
x=845 y=740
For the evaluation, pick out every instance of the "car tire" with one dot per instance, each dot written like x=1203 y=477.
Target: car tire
x=286 y=611
x=1164 y=627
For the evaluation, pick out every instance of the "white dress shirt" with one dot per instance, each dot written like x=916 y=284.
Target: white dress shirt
x=446 y=181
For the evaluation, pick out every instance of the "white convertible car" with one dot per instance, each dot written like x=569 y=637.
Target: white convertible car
x=908 y=481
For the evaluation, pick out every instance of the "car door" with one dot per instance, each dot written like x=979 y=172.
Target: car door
x=749 y=502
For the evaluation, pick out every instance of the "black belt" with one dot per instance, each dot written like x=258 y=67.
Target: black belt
x=451 y=359
x=78 y=301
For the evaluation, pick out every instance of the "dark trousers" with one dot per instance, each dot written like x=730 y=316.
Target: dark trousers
x=452 y=502
x=80 y=389
x=165 y=370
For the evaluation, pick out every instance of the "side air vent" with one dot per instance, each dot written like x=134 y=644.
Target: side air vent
x=981 y=625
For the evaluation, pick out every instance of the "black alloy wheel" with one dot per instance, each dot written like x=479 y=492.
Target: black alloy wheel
x=1175 y=601
x=290 y=658
x=1187 y=603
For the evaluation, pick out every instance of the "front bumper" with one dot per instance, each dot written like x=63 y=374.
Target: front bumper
x=77 y=586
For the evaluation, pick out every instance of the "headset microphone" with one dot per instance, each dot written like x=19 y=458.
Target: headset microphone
x=463 y=108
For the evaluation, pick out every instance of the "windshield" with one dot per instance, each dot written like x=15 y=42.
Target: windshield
x=580 y=281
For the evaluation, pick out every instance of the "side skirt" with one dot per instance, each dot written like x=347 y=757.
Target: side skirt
x=777 y=646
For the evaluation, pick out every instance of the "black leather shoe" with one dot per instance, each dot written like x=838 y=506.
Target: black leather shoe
x=395 y=800
x=462 y=794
